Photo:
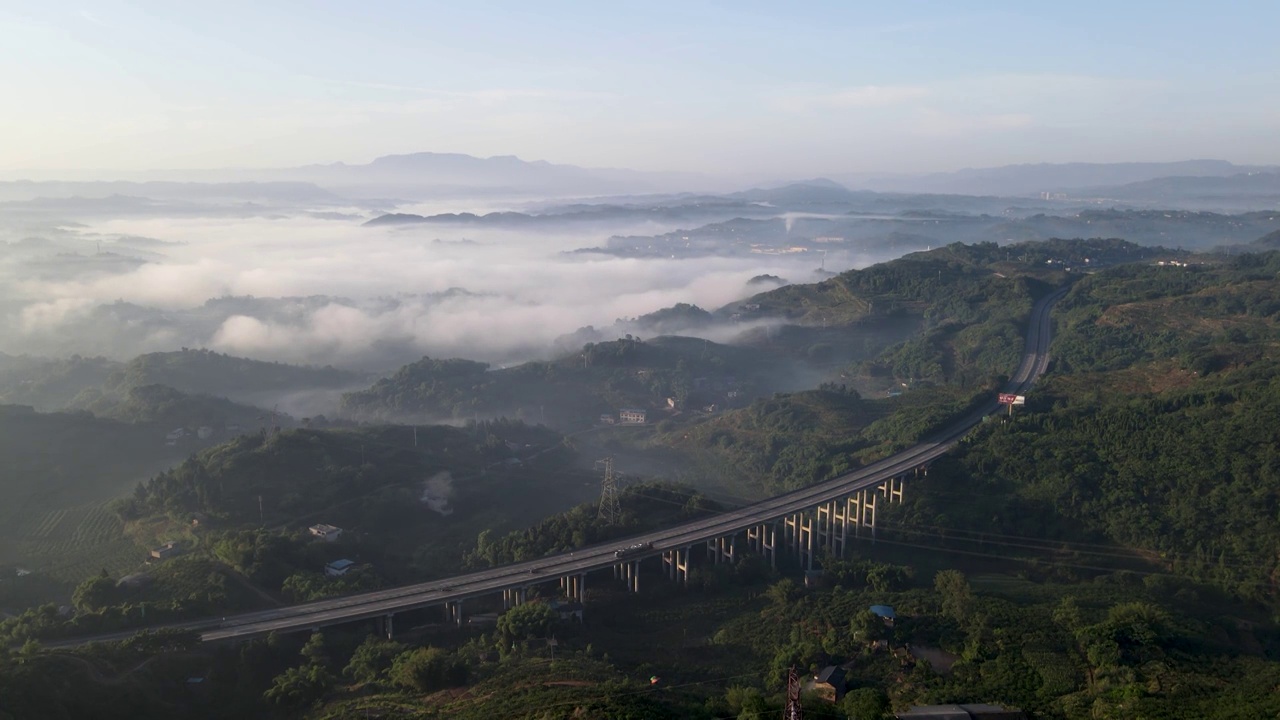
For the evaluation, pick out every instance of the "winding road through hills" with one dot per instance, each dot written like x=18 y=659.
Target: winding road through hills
x=384 y=603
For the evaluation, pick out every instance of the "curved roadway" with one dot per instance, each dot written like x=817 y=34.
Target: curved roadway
x=486 y=582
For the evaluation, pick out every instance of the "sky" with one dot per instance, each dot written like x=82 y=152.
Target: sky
x=739 y=88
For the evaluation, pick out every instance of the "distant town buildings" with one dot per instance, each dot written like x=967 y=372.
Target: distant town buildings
x=328 y=533
x=632 y=416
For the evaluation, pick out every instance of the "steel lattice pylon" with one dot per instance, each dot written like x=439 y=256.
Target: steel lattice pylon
x=793 y=711
x=610 y=504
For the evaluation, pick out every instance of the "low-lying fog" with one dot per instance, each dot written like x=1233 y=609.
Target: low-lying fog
x=326 y=290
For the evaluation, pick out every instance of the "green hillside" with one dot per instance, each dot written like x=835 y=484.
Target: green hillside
x=169 y=408
x=573 y=391
x=209 y=373
x=50 y=384
x=58 y=472
x=1155 y=431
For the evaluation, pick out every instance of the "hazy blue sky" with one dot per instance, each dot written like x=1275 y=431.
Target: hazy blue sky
x=733 y=87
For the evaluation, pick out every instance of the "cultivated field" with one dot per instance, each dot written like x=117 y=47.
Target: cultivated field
x=67 y=544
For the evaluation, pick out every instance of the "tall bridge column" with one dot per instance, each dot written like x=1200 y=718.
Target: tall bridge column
x=631 y=573
x=869 y=512
x=388 y=624
x=896 y=486
x=824 y=520
x=855 y=513
x=725 y=548
x=839 y=526
x=791 y=531
x=769 y=542
x=676 y=565
x=806 y=544
x=891 y=489
x=572 y=586
x=453 y=610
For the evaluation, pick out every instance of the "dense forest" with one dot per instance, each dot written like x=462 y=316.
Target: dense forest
x=574 y=391
x=1155 y=432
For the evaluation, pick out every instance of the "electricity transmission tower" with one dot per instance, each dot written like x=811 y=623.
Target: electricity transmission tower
x=610 y=505
x=792 y=710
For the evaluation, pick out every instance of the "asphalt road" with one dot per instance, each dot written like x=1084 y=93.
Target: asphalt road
x=485 y=582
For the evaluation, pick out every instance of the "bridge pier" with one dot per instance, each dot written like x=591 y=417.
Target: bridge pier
x=675 y=564
x=631 y=573
x=512 y=597
x=571 y=586
x=389 y=626
x=839 y=526
x=724 y=548
x=869 y=512
x=807 y=537
x=453 y=611
x=769 y=542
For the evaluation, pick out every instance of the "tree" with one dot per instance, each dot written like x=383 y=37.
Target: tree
x=95 y=594
x=531 y=620
x=868 y=627
x=865 y=704
x=371 y=661
x=300 y=686
x=957 y=597
x=314 y=650
x=783 y=592
x=747 y=703
x=426 y=669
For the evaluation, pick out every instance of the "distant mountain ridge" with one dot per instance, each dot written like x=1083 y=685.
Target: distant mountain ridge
x=1032 y=179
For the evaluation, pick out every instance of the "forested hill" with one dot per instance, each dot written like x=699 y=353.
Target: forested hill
x=353 y=474
x=72 y=456
x=211 y=373
x=1155 y=430
x=47 y=384
x=572 y=391
x=942 y=281
x=168 y=408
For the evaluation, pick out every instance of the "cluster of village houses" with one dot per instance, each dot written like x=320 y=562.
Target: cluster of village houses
x=704 y=389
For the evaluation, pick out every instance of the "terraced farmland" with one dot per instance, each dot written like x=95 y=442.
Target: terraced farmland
x=68 y=544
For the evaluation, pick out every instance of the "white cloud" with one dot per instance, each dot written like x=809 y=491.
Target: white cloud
x=385 y=286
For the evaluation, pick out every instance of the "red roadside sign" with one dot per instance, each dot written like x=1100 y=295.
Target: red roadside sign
x=1007 y=398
